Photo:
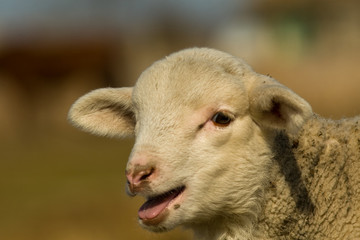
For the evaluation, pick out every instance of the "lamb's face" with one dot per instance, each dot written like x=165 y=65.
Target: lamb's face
x=196 y=149
x=202 y=121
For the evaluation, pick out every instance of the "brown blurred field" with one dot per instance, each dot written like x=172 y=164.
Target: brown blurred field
x=57 y=183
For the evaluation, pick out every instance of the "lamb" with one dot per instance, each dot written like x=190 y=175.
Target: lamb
x=230 y=153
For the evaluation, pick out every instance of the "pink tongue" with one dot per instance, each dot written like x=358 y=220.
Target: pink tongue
x=154 y=207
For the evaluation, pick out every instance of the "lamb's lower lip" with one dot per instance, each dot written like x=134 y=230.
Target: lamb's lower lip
x=156 y=209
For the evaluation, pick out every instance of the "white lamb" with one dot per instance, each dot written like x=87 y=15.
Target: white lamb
x=230 y=153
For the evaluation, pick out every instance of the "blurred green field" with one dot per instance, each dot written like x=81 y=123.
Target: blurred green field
x=68 y=186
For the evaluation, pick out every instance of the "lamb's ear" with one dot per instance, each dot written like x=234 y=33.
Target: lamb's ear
x=275 y=106
x=106 y=112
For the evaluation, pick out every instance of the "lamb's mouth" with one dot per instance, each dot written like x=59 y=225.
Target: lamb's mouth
x=155 y=209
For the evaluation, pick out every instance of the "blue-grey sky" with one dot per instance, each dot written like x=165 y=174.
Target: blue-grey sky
x=121 y=13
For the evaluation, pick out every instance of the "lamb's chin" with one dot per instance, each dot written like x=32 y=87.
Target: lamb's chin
x=157 y=213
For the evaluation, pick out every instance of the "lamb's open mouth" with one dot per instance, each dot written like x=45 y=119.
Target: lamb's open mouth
x=154 y=206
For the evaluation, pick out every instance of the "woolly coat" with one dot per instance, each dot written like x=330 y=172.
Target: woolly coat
x=314 y=189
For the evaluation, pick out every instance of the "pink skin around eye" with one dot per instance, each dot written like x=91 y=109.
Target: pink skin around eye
x=203 y=117
x=221 y=119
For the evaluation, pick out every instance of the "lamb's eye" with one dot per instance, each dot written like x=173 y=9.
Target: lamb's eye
x=221 y=119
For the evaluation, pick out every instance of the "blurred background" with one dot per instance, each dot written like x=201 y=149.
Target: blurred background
x=57 y=183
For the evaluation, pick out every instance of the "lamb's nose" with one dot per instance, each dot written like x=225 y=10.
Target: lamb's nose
x=139 y=177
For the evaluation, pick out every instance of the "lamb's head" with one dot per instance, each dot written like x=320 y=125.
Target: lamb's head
x=202 y=121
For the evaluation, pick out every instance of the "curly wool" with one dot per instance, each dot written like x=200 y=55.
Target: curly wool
x=314 y=191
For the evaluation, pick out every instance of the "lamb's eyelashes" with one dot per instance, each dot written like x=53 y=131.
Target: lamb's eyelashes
x=221 y=119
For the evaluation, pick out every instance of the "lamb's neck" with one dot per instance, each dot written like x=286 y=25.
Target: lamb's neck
x=292 y=199
x=224 y=230
x=287 y=202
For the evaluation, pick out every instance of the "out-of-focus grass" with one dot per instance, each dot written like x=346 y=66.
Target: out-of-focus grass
x=68 y=186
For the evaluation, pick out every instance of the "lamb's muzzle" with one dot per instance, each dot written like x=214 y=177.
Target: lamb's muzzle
x=139 y=178
x=155 y=209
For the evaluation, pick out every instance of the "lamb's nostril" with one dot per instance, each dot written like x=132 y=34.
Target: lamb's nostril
x=145 y=174
x=139 y=175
